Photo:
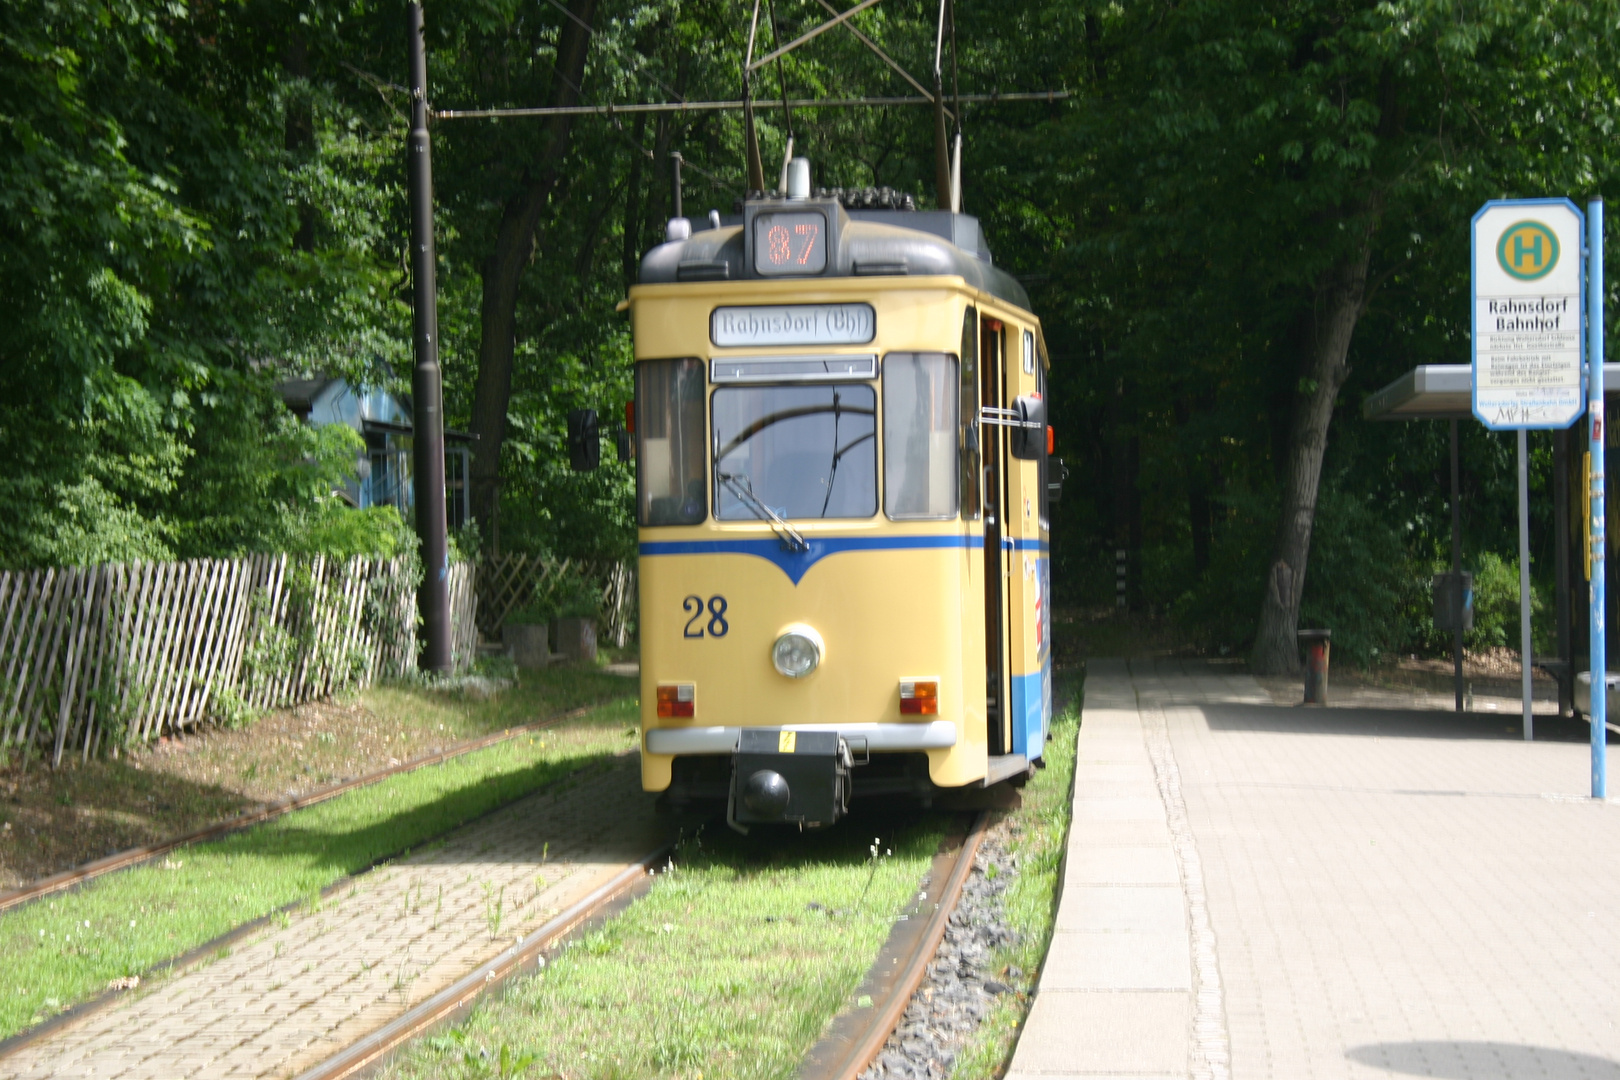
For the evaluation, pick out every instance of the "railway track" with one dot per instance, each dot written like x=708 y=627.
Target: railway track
x=144 y=853
x=858 y=1035
x=854 y=1041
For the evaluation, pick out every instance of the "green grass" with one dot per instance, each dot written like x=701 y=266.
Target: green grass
x=730 y=967
x=1038 y=836
x=62 y=950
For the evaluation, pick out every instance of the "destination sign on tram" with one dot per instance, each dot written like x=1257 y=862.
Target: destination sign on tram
x=793 y=242
x=1528 y=315
x=792 y=324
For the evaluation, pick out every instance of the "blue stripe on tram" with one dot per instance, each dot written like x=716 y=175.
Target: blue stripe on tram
x=795 y=564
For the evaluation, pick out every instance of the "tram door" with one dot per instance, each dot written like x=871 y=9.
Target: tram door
x=992 y=395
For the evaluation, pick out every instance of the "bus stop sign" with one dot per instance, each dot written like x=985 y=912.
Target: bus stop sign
x=1528 y=314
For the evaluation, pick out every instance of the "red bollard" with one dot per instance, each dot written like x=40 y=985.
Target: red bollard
x=1316 y=665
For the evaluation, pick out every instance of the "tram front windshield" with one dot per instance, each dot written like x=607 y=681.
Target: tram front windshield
x=800 y=451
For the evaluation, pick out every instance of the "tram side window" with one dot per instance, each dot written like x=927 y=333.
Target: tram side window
x=970 y=414
x=670 y=438
x=919 y=435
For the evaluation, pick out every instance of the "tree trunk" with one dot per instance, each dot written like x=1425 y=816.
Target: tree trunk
x=503 y=270
x=1339 y=303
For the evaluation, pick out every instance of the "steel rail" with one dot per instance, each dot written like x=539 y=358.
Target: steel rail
x=134 y=856
x=714 y=106
x=464 y=992
x=857 y=1037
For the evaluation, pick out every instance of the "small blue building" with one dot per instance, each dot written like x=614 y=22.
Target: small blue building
x=383 y=419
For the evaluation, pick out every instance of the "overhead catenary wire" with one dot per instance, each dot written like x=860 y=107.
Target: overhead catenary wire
x=724 y=106
x=811 y=34
x=885 y=57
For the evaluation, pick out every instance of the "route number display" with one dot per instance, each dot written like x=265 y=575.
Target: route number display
x=1528 y=319
x=792 y=242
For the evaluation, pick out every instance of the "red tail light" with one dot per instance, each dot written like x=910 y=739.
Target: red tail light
x=919 y=697
x=676 y=700
x=630 y=417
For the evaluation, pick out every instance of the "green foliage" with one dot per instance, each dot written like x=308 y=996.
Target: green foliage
x=169 y=249
x=1363 y=584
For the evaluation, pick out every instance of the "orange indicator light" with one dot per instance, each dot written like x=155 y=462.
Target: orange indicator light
x=919 y=697
x=676 y=700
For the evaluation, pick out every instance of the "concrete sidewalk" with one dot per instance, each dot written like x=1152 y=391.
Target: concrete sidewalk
x=1254 y=890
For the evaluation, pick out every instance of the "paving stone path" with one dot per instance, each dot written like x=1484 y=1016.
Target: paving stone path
x=296 y=994
x=1272 y=892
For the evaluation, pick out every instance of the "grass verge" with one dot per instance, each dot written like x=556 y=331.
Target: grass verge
x=1037 y=834
x=51 y=820
x=67 y=948
x=730 y=967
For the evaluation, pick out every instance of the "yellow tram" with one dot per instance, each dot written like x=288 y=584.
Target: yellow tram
x=842 y=497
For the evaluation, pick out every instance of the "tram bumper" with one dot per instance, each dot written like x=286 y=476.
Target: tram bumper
x=786 y=777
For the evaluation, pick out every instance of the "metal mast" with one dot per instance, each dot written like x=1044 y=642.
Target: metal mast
x=427 y=392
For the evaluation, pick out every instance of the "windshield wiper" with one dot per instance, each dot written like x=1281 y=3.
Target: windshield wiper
x=740 y=486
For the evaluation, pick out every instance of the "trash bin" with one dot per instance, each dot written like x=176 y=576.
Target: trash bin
x=1315 y=644
x=1445 y=587
x=1583 y=693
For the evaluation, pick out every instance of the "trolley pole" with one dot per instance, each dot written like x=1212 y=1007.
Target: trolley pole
x=427 y=392
x=1599 y=660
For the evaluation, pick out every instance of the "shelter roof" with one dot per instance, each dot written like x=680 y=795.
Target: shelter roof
x=1444 y=392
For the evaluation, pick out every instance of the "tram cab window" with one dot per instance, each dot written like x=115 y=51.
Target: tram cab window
x=670 y=442
x=919 y=436
x=801 y=451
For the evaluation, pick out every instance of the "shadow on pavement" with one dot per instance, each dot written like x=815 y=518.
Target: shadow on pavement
x=1483 y=1061
x=1390 y=723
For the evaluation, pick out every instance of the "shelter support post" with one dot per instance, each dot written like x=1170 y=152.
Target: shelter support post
x=1526 y=660
x=1595 y=418
x=1456 y=570
x=427 y=391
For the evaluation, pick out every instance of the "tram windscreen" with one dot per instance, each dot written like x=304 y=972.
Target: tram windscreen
x=669 y=442
x=919 y=436
x=800 y=451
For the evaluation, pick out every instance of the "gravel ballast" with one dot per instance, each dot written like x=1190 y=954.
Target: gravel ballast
x=959 y=989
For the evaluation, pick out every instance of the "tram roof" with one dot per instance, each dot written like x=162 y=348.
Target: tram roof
x=861 y=243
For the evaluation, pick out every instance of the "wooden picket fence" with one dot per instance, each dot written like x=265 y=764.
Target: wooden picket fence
x=129 y=652
x=509 y=582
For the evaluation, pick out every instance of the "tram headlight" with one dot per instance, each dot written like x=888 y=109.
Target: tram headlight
x=797 y=652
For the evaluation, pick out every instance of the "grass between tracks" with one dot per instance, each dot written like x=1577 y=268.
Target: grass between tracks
x=730 y=967
x=61 y=950
x=53 y=819
x=1037 y=834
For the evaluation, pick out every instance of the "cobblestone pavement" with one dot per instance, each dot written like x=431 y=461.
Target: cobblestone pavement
x=296 y=994
x=1388 y=892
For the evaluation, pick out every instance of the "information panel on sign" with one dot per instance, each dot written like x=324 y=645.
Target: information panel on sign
x=1528 y=315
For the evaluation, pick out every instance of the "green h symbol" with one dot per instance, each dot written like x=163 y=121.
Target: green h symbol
x=1532 y=251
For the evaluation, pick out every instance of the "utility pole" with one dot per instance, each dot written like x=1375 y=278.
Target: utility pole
x=427 y=392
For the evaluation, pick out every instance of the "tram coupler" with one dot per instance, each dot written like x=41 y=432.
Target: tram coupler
x=784 y=777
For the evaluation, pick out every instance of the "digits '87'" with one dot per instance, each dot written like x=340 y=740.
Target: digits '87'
x=715 y=609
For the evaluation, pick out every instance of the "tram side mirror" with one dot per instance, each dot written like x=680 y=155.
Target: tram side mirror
x=1028 y=440
x=1055 y=475
x=584 y=440
x=621 y=442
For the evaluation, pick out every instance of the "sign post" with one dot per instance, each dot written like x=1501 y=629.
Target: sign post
x=1526 y=343
x=1599 y=660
